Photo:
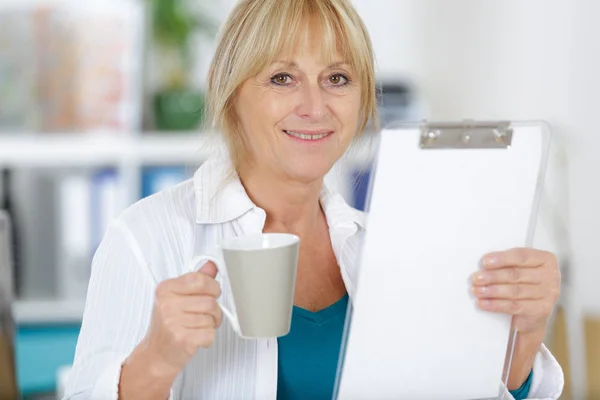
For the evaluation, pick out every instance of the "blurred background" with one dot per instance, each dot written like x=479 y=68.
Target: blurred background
x=101 y=104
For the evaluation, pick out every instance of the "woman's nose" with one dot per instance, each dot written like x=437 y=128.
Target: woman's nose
x=312 y=103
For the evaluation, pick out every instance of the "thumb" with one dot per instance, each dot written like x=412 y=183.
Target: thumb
x=209 y=269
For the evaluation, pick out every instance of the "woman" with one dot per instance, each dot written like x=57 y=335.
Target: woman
x=291 y=84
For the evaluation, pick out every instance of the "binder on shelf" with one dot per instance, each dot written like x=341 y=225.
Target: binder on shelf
x=156 y=179
x=360 y=187
x=7 y=282
x=8 y=378
x=105 y=204
x=74 y=235
x=441 y=196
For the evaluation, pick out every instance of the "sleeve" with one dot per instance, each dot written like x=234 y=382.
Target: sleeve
x=117 y=314
x=547 y=378
x=523 y=391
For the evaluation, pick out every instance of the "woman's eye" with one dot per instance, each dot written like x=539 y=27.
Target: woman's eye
x=281 y=79
x=338 y=79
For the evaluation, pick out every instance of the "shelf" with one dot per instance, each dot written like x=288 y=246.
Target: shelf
x=19 y=150
x=50 y=311
x=110 y=149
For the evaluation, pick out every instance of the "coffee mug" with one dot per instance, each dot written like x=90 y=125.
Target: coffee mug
x=261 y=270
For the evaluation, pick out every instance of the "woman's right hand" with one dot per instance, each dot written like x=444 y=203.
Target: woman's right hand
x=185 y=317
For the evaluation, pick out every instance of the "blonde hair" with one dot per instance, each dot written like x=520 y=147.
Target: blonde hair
x=258 y=31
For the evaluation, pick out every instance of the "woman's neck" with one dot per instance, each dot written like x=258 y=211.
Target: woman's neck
x=291 y=206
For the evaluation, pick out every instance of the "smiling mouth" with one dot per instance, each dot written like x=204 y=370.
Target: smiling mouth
x=308 y=136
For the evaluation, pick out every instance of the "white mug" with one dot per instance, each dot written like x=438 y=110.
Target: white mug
x=261 y=270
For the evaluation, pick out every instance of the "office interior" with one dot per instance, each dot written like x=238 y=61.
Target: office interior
x=98 y=109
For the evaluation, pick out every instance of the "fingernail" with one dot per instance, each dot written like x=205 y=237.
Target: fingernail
x=479 y=277
x=483 y=303
x=491 y=261
x=482 y=290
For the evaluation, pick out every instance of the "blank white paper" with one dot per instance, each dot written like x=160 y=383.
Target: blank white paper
x=416 y=332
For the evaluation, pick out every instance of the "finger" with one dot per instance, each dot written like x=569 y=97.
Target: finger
x=218 y=316
x=517 y=257
x=194 y=283
x=198 y=321
x=516 y=307
x=209 y=305
x=203 y=337
x=510 y=275
x=197 y=304
x=209 y=269
x=192 y=306
x=510 y=292
x=202 y=305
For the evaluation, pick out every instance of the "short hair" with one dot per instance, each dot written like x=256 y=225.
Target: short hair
x=258 y=31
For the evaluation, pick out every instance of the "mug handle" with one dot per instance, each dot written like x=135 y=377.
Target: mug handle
x=221 y=267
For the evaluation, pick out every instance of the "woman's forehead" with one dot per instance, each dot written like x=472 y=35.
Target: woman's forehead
x=313 y=40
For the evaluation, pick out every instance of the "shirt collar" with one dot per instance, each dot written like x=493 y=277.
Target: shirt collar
x=221 y=197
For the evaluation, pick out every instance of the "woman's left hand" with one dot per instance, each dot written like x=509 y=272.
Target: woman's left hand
x=524 y=283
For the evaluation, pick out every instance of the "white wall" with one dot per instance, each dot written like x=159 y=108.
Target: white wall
x=584 y=113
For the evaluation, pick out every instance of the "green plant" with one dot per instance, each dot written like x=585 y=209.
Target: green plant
x=173 y=24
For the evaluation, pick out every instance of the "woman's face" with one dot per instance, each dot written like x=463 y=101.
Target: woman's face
x=299 y=114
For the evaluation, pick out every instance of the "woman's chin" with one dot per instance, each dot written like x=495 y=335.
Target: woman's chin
x=308 y=171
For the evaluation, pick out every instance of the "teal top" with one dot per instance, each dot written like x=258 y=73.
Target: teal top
x=308 y=355
x=522 y=392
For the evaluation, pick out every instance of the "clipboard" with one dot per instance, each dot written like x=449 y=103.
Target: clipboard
x=441 y=196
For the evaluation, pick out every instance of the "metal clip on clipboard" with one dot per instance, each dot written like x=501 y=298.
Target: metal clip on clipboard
x=415 y=332
x=466 y=135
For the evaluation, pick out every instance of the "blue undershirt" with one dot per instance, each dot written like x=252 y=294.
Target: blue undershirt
x=309 y=354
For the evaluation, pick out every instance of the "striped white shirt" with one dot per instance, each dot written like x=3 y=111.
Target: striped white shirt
x=154 y=240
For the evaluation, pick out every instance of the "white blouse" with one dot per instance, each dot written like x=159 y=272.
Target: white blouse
x=154 y=240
